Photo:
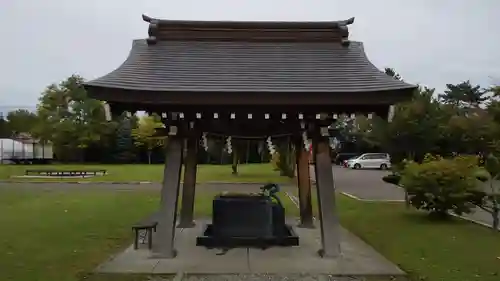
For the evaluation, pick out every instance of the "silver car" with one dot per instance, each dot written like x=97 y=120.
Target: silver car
x=371 y=161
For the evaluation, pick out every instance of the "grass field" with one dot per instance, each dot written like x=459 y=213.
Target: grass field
x=428 y=250
x=62 y=235
x=125 y=173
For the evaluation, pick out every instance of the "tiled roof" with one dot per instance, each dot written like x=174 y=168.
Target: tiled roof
x=248 y=66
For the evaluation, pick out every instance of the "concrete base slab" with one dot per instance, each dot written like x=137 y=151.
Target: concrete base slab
x=357 y=258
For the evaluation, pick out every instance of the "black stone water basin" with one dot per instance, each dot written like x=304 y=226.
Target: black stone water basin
x=209 y=241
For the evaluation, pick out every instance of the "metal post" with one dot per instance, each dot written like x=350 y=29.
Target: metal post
x=164 y=245
x=189 y=185
x=329 y=220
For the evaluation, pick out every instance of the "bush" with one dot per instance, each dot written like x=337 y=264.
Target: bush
x=275 y=159
x=441 y=185
x=482 y=174
x=392 y=179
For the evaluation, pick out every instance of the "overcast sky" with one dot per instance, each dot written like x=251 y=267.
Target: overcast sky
x=432 y=42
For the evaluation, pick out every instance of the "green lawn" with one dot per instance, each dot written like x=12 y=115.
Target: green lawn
x=428 y=250
x=206 y=173
x=61 y=235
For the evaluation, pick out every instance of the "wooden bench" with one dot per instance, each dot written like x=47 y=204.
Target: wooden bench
x=147 y=225
x=64 y=173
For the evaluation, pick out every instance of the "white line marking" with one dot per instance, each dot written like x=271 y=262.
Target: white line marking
x=472 y=220
x=295 y=201
x=351 y=196
x=369 y=200
x=455 y=215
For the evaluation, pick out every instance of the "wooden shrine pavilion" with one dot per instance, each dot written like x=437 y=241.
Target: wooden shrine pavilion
x=248 y=80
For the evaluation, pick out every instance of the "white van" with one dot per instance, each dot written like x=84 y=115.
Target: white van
x=370 y=160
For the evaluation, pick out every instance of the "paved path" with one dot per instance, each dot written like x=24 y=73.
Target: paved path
x=211 y=187
x=368 y=185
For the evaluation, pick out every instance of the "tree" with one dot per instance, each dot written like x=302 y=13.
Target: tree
x=493 y=110
x=494 y=90
x=368 y=134
x=413 y=131
x=489 y=199
x=237 y=147
x=124 y=144
x=286 y=158
x=464 y=95
x=21 y=121
x=345 y=125
x=4 y=129
x=69 y=119
x=415 y=128
x=144 y=134
x=395 y=178
x=473 y=133
x=441 y=185
x=234 y=163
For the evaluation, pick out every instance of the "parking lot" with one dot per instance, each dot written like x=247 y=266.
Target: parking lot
x=368 y=185
x=364 y=184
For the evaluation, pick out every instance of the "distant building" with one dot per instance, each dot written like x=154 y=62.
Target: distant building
x=24 y=148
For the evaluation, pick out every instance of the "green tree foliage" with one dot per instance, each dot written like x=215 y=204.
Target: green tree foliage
x=144 y=134
x=393 y=178
x=69 y=119
x=460 y=121
x=22 y=121
x=285 y=158
x=425 y=125
x=494 y=90
x=488 y=198
x=4 y=128
x=475 y=132
x=464 y=95
x=414 y=130
x=124 y=147
x=441 y=185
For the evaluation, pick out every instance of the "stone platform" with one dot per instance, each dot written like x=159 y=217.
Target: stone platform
x=357 y=258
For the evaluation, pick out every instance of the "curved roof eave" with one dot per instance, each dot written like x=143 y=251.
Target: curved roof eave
x=187 y=66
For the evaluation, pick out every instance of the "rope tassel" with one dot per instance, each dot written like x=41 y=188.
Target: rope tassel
x=332 y=145
x=229 y=145
x=305 y=140
x=204 y=141
x=270 y=146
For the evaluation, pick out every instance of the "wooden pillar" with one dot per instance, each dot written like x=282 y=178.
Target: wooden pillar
x=329 y=220
x=164 y=244
x=304 y=185
x=189 y=185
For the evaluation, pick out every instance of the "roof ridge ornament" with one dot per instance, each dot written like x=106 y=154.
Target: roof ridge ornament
x=163 y=29
x=344 y=31
x=152 y=30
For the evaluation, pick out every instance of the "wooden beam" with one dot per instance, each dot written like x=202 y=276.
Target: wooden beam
x=189 y=185
x=164 y=245
x=329 y=220
x=304 y=185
